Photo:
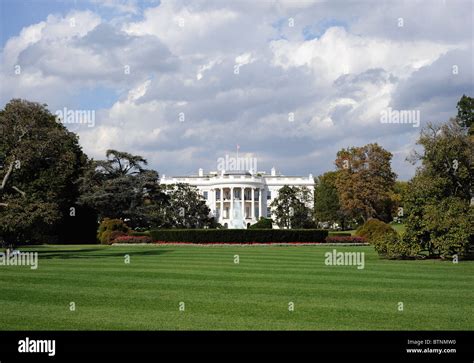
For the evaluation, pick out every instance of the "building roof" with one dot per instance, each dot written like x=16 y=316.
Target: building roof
x=237 y=172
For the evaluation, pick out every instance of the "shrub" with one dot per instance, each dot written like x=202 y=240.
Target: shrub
x=108 y=237
x=132 y=239
x=106 y=228
x=392 y=246
x=263 y=223
x=239 y=235
x=373 y=229
x=345 y=239
x=450 y=226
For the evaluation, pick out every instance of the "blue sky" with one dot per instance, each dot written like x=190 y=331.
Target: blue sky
x=289 y=95
x=18 y=14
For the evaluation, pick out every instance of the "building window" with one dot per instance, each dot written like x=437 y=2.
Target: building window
x=218 y=194
x=237 y=194
x=269 y=195
x=269 y=212
x=205 y=195
x=248 y=194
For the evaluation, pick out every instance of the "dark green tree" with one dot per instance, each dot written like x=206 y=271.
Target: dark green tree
x=438 y=199
x=120 y=187
x=40 y=162
x=327 y=207
x=465 y=117
x=263 y=223
x=292 y=207
x=186 y=208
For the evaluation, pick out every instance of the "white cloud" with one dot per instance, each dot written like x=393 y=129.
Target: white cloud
x=338 y=52
x=335 y=70
x=180 y=27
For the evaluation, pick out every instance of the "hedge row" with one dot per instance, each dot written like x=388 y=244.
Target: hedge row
x=137 y=233
x=239 y=235
x=340 y=234
x=345 y=239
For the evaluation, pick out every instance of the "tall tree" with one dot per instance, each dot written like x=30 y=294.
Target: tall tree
x=327 y=207
x=438 y=199
x=120 y=187
x=400 y=190
x=186 y=208
x=120 y=163
x=465 y=117
x=365 y=181
x=40 y=161
x=292 y=207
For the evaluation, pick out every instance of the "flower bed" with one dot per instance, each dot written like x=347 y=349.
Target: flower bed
x=240 y=236
x=237 y=243
x=133 y=239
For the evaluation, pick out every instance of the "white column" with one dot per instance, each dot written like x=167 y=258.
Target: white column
x=222 y=203
x=242 y=190
x=253 y=204
x=260 y=213
x=231 y=203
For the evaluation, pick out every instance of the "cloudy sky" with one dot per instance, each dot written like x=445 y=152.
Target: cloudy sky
x=292 y=82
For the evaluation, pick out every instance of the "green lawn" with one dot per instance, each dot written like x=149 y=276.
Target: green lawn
x=219 y=294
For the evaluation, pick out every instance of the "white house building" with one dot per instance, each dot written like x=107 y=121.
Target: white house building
x=237 y=199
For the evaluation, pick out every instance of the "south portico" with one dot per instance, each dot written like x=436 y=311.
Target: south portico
x=237 y=199
x=238 y=206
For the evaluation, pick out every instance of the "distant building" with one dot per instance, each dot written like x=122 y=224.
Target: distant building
x=237 y=199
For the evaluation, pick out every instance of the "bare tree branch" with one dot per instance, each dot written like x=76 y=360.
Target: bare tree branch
x=7 y=176
x=23 y=194
x=10 y=168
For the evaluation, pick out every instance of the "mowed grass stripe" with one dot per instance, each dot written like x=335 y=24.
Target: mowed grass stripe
x=236 y=272
x=208 y=254
x=300 y=280
x=277 y=258
x=388 y=299
x=269 y=283
x=310 y=310
x=221 y=295
x=281 y=264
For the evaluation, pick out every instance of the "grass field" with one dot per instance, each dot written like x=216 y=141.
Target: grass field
x=219 y=294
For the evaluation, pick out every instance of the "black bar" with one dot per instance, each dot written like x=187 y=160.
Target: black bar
x=315 y=346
